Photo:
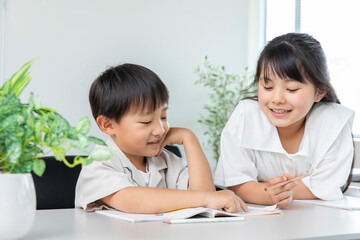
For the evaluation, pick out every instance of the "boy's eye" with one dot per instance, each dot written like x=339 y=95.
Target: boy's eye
x=146 y=122
x=164 y=118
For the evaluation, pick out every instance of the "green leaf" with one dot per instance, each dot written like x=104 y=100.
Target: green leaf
x=21 y=84
x=84 y=125
x=37 y=130
x=98 y=154
x=73 y=134
x=96 y=140
x=24 y=167
x=52 y=139
x=84 y=143
x=38 y=167
x=17 y=79
x=9 y=104
x=13 y=151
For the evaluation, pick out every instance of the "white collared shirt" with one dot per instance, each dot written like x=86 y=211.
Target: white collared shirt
x=251 y=149
x=100 y=179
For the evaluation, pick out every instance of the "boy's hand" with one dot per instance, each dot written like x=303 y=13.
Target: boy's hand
x=175 y=136
x=225 y=199
x=282 y=195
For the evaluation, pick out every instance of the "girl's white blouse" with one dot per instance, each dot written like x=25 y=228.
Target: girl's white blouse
x=251 y=149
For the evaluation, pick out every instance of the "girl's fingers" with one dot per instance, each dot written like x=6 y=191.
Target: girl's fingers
x=282 y=196
x=284 y=188
x=285 y=202
x=276 y=180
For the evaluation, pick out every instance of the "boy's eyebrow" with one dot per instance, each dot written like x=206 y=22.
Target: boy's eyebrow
x=150 y=112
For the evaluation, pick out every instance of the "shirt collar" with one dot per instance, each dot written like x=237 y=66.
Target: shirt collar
x=261 y=135
x=154 y=164
x=323 y=125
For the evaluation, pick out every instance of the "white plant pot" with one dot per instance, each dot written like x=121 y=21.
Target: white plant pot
x=17 y=205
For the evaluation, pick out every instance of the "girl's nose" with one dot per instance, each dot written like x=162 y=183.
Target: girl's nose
x=278 y=97
x=158 y=128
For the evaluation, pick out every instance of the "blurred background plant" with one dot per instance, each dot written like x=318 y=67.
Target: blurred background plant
x=30 y=131
x=225 y=91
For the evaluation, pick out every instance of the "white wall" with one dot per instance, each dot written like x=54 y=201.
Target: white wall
x=76 y=40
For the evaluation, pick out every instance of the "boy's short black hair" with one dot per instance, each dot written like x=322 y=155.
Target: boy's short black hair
x=127 y=86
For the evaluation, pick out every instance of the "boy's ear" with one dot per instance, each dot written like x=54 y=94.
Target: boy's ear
x=105 y=125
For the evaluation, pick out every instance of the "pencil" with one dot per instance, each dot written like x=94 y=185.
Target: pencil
x=286 y=182
x=205 y=220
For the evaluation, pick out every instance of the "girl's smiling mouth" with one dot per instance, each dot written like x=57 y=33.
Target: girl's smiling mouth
x=279 y=110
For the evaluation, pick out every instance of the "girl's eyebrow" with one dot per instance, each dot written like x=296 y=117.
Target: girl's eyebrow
x=266 y=79
x=285 y=79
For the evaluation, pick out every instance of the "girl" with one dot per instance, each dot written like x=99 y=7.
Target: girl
x=294 y=126
x=129 y=103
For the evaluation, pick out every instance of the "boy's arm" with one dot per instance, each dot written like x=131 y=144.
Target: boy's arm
x=200 y=176
x=159 y=200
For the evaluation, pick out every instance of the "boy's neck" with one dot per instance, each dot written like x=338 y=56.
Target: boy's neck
x=138 y=161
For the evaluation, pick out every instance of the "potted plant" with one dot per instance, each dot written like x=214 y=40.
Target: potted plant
x=226 y=89
x=29 y=131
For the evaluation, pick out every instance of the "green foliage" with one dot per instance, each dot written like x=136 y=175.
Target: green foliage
x=29 y=131
x=226 y=90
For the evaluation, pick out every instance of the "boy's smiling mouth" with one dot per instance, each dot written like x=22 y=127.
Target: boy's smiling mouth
x=154 y=142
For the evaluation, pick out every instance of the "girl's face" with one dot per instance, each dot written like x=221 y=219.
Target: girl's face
x=286 y=102
x=140 y=134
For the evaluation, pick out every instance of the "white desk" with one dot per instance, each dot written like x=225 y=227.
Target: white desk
x=300 y=221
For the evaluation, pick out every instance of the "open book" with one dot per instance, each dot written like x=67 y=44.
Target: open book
x=190 y=212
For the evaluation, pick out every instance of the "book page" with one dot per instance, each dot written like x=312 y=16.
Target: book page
x=255 y=210
x=178 y=214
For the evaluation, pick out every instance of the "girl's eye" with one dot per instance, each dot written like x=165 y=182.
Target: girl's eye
x=293 y=90
x=164 y=118
x=267 y=88
x=146 y=122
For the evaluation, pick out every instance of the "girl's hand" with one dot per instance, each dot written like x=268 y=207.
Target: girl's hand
x=175 y=136
x=282 y=195
x=225 y=199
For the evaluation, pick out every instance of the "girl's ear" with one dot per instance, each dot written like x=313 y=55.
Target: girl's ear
x=320 y=95
x=105 y=125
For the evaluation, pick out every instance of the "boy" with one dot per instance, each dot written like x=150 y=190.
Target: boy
x=129 y=103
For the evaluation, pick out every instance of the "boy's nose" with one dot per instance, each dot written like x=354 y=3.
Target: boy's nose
x=158 y=129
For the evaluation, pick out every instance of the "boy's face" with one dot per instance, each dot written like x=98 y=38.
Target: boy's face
x=140 y=134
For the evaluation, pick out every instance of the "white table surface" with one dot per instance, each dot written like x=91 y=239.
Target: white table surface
x=300 y=221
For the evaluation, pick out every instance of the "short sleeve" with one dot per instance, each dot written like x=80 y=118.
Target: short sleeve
x=333 y=170
x=177 y=173
x=98 y=180
x=183 y=176
x=235 y=164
